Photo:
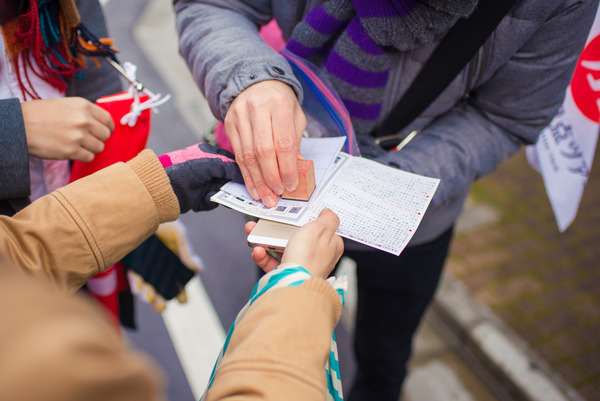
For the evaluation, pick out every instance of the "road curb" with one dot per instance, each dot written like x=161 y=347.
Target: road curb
x=501 y=359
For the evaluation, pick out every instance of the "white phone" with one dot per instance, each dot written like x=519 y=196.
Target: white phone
x=271 y=235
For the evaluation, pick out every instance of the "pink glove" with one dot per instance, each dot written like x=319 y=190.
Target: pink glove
x=198 y=172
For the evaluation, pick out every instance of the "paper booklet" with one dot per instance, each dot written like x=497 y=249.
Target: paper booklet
x=378 y=205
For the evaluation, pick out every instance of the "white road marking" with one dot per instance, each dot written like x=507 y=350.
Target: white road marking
x=196 y=333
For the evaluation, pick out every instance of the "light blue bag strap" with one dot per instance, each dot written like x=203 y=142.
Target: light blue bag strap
x=291 y=277
x=322 y=103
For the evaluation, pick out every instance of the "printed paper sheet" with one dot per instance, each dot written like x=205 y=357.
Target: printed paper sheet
x=378 y=205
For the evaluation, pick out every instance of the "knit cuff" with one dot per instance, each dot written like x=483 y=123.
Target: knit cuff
x=150 y=171
x=324 y=288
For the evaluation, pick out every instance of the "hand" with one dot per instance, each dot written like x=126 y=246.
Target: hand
x=174 y=263
x=197 y=173
x=315 y=246
x=65 y=128
x=264 y=125
x=146 y=292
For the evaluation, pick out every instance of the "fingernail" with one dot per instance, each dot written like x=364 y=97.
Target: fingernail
x=278 y=190
x=182 y=297
x=270 y=201
x=159 y=305
x=255 y=194
x=291 y=185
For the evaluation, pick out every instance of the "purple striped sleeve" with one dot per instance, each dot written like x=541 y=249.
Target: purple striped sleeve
x=357 y=33
x=354 y=75
x=322 y=22
x=300 y=50
x=385 y=9
x=363 y=111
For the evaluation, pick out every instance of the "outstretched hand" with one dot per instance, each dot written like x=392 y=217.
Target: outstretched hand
x=264 y=125
x=197 y=173
x=65 y=128
x=315 y=246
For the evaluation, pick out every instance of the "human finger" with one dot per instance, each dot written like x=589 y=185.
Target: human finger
x=103 y=117
x=99 y=130
x=265 y=150
x=286 y=145
x=236 y=144
x=92 y=143
x=135 y=282
x=300 y=123
x=251 y=115
x=148 y=293
x=182 y=297
x=315 y=246
x=329 y=219
x=159 y=303
x=253 y=161
x=323 y=230
x=261 y=257
x=82 y=154
x=249 y=226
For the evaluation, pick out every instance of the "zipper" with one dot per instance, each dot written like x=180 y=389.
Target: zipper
x=477 y=68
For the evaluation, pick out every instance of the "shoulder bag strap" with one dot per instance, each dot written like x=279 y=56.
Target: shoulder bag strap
x=454 y=51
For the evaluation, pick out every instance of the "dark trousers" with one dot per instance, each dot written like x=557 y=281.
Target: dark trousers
x=393 y=294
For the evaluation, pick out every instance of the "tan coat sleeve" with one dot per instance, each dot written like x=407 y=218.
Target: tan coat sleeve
x=58 y=347
x=85 y=227
x=279 y=349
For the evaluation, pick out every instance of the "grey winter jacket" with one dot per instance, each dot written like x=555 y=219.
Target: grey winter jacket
x=501 y=100
x=14 y=159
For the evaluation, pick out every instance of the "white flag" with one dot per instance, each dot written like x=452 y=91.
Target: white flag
x=565 y=149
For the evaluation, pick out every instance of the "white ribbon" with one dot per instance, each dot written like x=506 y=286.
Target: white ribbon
x=154 y=100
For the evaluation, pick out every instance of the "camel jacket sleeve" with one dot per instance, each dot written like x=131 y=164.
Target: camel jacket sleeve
x=59 y=347
x=87 y=226
x=279 y=349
